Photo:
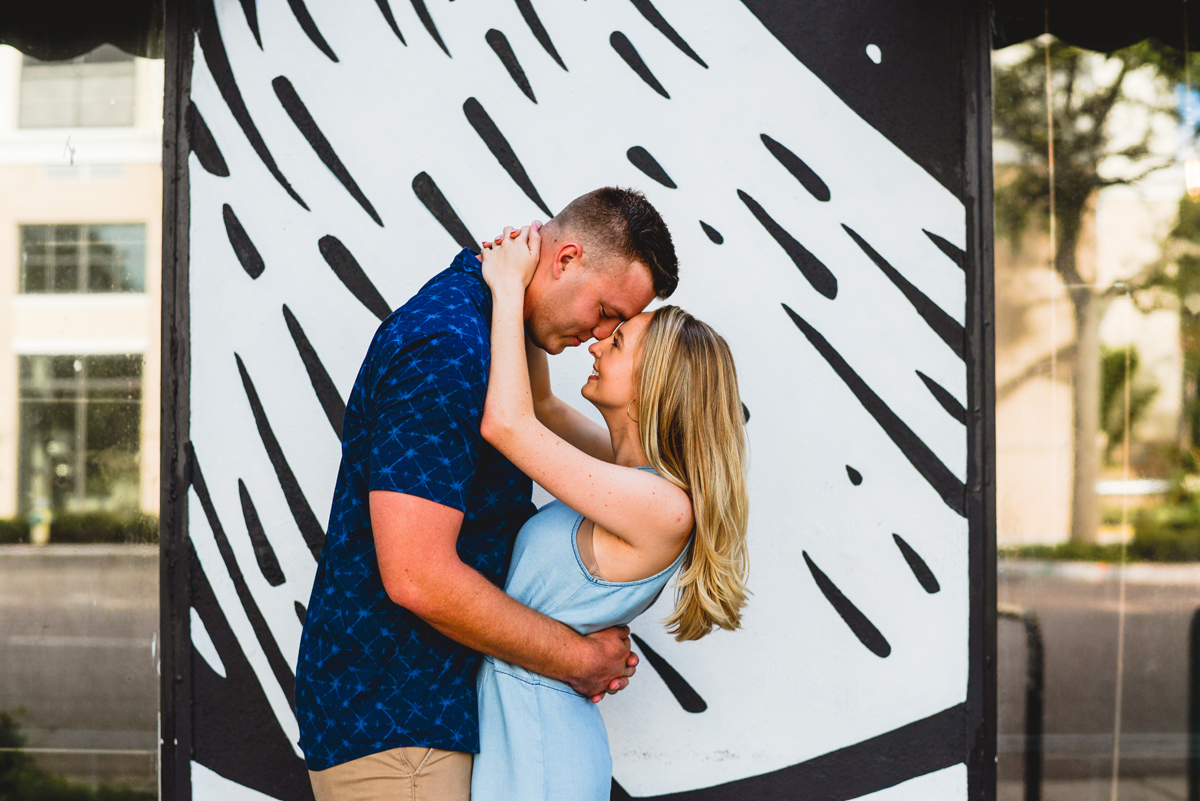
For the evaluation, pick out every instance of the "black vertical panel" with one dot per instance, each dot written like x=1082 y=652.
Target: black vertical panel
x=175 y=688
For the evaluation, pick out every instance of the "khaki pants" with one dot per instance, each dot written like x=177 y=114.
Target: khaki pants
x=401 y=774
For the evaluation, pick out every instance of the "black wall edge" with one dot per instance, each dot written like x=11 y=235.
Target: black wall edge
x=175 y=702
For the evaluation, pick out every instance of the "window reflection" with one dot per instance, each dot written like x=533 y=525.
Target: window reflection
x=95 y=90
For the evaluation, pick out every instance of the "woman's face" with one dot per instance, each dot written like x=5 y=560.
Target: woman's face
x=611 y=384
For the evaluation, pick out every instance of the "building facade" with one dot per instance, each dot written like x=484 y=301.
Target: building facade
x=80 y=238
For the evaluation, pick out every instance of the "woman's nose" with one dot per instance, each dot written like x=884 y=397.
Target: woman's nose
x=594 y=348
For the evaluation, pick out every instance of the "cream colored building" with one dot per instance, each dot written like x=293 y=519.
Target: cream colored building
x=80 y=282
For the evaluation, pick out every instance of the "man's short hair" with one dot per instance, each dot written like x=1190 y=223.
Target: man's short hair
x=621 y=222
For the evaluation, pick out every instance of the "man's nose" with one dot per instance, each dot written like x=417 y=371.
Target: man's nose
x=605 y=328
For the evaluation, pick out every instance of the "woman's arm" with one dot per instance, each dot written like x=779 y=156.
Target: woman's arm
x=560 y=417
x=633 y=504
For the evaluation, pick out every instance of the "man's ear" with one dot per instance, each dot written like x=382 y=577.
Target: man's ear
x=566 y=257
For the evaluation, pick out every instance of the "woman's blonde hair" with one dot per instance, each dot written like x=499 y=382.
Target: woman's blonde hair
x=690 y=424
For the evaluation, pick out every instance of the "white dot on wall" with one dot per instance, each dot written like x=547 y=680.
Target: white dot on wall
x=874 y=53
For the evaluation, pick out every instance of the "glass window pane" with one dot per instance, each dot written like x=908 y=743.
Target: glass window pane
x=94 y=90
x=127 y=244
x=49 y=96
x=106 y=95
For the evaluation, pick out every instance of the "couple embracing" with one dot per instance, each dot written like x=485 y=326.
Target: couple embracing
x=450 y=419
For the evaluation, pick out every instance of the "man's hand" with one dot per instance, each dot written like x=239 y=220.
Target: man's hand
x=611 y=667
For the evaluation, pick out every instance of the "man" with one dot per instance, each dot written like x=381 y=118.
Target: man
x=408 y=590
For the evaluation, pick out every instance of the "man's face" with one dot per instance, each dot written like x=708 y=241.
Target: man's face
x=586 y=302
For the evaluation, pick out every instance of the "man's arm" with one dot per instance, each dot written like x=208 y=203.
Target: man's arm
x=415 y=543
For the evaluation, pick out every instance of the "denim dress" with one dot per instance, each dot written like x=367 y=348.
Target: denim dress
x=538 y=739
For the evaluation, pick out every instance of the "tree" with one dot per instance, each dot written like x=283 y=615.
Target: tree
x=1087 y=89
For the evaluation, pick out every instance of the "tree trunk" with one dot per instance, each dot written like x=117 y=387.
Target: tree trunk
x=1085 y=504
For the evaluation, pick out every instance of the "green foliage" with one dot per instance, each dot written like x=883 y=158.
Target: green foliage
x=96 y=527
x=22 y=780
x=1112 y=395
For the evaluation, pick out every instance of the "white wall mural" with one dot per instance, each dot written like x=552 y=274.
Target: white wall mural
x=343 y=152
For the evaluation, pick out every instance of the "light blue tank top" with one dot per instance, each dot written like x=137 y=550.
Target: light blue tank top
x=539 y=739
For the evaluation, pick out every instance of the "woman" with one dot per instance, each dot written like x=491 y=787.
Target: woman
x=662 y=488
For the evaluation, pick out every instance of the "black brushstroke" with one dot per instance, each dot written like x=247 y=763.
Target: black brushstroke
x=629 y=53
x=386 y=10
x=250 y=9
x=327 y=394
x=945 y=326
x=854 y=476
x=203 y=144
x=433 y=199
x=916 y=749
x=809 y=265
x=503 y=50
x=745 y=414
x=956 y=255
x=924 y=575
x=351 y=274
x=264 y=554
x=538 y=30
x=943 y=396
x=863 y=629
x=306 y=521
x=247 y=254
x=799 y=170
x=221 y=739
x=640 y=157
x=688 y=698
x=944 y=483
x=502 y=150
x=712 y=233
x=279 y=666
x=656 y=19
x=301 y=612
x=308 y=126
x=209 y=35
x=427 y=21
x=300 y=12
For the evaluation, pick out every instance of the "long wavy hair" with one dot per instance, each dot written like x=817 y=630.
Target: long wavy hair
x=691 y=426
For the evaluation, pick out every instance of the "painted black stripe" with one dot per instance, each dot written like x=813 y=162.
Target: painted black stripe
x=863 y=629
x=640 y=157
x=386 y=10
x=301 y=612
x=203 y=144
x=351 y=274
x=956 y=255
x=306 y=521
x=812 y=268
x=799 y=170
x=648 y=11
x=854 y=476
x=279 y=666
x=688 y=698
x=209 y=35
x=538 y=30
x=308 y=126
x=250 y=9
x=917 y=749
x=945 y=483
x=629 y=53
x=943 y=396
x=220 y=737
x=945 y=326
x=433 y=199
x=243 y=248
x=924 y=575
x=495 y=141
x=503 y=50
x=300 y=12
x=327 y=394
x=264 y=554
x=712 y=233
x=427 y=21
x=745 y=414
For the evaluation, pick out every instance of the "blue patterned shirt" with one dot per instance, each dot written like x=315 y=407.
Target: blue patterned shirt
x=372 y=675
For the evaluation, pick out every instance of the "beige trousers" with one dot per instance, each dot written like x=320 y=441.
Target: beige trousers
x=401 y=774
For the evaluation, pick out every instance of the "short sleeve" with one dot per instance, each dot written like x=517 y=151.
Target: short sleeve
x=428 y=401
